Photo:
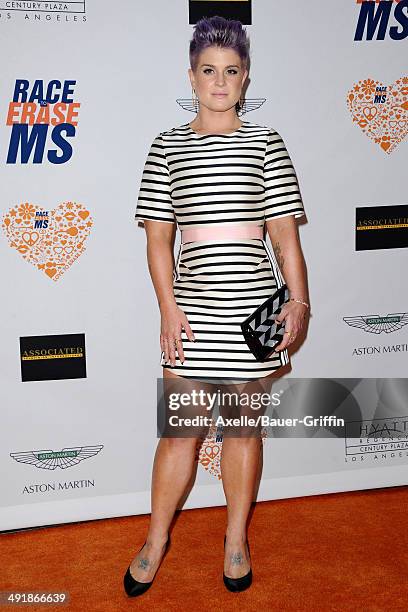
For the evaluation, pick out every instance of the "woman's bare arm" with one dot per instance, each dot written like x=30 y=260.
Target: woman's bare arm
x=160 y=237
x=285 y=241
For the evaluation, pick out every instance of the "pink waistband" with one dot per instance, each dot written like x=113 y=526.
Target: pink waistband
x=216 y=232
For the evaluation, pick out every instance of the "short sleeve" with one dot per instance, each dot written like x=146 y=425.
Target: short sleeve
x=282 y=193
x=154 y=199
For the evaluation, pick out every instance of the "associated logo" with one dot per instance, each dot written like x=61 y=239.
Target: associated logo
x=53 y=357
x=381 y=227
x=63 y=459
x=380 y=111
x=375 y=324
x=49 y=240
x=42 y=115
x=378 y=18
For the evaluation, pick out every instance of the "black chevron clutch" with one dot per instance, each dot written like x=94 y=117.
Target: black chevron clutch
x=261 y=332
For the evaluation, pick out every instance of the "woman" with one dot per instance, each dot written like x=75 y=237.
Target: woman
x=222 y=181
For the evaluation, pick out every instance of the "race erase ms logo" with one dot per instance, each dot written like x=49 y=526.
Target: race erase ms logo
x=43 y=118
x=379 y=19
x=380 y=111
x=51 y=240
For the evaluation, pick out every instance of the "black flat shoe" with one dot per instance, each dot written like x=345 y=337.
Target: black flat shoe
x=134 y=587
x=238 y=584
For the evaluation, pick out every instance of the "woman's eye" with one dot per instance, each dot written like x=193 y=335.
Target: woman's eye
x=230 y=70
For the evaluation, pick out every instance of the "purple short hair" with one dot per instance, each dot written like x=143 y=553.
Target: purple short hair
x=220 y=32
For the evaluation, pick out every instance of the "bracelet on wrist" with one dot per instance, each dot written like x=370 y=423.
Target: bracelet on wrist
x=299 y=302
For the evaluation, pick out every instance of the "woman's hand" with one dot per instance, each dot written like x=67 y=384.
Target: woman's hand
x=173 y=320
x=293 y=313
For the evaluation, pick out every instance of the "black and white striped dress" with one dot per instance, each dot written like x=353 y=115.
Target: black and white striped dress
x=244 y=177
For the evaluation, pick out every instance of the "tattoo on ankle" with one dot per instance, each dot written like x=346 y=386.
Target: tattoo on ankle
x=237 y=558
x=143 y=563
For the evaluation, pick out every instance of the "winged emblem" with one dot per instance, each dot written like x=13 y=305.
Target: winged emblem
x=374 y=324
x=51 y=460
x=250 y=104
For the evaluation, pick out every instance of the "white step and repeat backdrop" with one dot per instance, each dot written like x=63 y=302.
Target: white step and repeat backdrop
x=85 y=87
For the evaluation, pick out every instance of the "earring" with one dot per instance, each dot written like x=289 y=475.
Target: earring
x=194 y=99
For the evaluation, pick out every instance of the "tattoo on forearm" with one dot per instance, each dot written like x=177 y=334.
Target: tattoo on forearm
x=279 y=257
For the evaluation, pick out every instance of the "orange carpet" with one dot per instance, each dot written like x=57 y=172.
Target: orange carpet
x=342 y=551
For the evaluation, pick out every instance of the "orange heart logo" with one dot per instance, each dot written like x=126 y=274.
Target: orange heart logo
x=209 y=451
x=50 y=240
x=381 y=111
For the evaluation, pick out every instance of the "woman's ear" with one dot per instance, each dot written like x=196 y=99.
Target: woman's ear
x=190 y=76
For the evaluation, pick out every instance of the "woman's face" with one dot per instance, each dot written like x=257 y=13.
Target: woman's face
x=218 y=78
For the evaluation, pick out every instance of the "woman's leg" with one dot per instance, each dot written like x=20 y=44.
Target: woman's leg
x=172 y=469
x=239 y=469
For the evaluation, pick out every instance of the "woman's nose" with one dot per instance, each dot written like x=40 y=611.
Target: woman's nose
x=220 y=80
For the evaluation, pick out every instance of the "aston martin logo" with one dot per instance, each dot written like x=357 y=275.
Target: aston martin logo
x=51 y=460
x=374 y=324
